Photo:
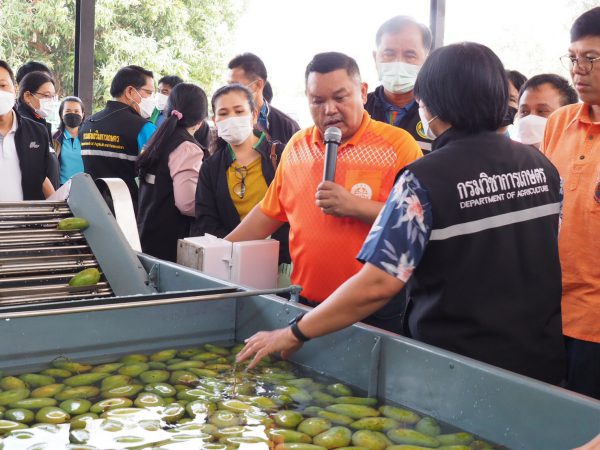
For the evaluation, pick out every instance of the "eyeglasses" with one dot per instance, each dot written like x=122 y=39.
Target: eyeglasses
x=147 y=91
x=46 y=96
x=239 y=188
x=584 y=63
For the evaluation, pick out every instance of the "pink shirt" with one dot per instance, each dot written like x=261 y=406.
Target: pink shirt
x=184 y=166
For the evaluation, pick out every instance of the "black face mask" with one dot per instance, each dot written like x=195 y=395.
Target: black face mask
x=509 y=118
x=72 y=120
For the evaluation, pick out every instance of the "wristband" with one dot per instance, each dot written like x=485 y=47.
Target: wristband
x=296 y=330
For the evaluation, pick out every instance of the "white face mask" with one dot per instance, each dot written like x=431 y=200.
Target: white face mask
x=426 y=128
x=146 y=105
x=398 y=77
x=47 y=107
x=161 y=101
x=530 y=129
x=7 y=101
x=235 y=130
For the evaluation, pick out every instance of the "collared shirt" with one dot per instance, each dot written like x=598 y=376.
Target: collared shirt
x=324 y=248
x=572 y=142
x=71 y=162
x=11 y=189
x=394 y=114
x=263 y=116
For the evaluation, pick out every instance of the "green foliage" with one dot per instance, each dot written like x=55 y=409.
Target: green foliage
x=188 y=38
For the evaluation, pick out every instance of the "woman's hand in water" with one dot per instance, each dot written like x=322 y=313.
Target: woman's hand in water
x=264 y=343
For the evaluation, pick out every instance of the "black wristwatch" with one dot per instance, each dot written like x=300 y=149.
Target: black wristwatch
x=296 y=330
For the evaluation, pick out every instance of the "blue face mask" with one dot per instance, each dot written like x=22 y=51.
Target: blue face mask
x=426 y=128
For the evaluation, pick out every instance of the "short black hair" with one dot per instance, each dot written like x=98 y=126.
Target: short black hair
x=398 y=23
x=587 y=24
x=6 y=67
x=32 y=82
x=233 y=87
x=477 y=99
x=251 y=64
x=268 y=92
x=129 y=76
x=330 y=61
x=516 y=78
x=32 y=66
x=568 y=95
x=170 y=80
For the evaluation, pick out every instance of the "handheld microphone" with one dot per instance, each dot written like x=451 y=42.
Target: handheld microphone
x=332 y=138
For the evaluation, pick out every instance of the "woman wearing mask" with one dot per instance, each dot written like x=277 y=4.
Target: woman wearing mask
x=37 y=100
x=66 y=140
x=24 y=148
x=236 y=177
x=168 y=172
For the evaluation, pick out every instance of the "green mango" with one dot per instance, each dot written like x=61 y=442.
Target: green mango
x=219 y=367
x=115 y=381
x=236 y=349
x=354 y=411
x=36 y=380
x=52 y=414
x=264 y=403
x=71 y=366
x=298 y=446
x=428 y=426
x=203 y=372
x=72 y=224
x=87 y=277
x=407 y=447
x=56 y=373
x=184 y=365
x=13 y=395
x=189 y=352
x=200 y=408
x=312 y=411
x=196 y=394
x=148 y=399
x=174 y=361
x=21 y=415
x=77 y=392
x=154 y=376
x=373 y=440
x=79 y=436
x=409 y=436
x=76 y=406
x=339 y=419
x=375 y=424
x=400 y=414
x=6 y=426
x=288 y=419
x=455 y=447
x=162 y=389
x=49 y=390
x=85 y=379
x=108 y=368
x=110 y=403
x=352 y=447
x=297 y=394
x=333 y=438
x=12 y=383
x=323 y=399
x=163 y=355
x=280 y=435
x=455 y=438
x=134 y=358
x=204 y=356
x=33 y=403
x=134 y=369
x=157 y=365
x=314 y=426
x=79 y=422
x=111 y=425
x=224 y=419
x=366 y=401
x=235 y=406
x=339 y=390
x=183 y=377
x=172 y=412
x=216 y=349
x=124 y=391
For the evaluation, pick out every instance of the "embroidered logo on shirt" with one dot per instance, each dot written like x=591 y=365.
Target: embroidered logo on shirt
x=34 y=145
x=362 y=190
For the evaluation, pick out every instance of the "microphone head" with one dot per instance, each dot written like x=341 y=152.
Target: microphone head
x=333 y=134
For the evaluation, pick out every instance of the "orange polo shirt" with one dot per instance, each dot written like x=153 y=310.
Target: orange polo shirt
x=572 y=142
x=324 y=248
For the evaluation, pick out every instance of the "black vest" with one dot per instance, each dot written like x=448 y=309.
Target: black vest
x=33 y=149
x=160 y=223
x=109 y=146
x=411 y=122
x=489 y=283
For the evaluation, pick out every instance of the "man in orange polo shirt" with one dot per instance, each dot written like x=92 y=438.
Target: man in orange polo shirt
x=572 y=142
x=329 y=221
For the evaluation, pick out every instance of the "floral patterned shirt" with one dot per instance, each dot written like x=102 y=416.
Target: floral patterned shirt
x=400 y=233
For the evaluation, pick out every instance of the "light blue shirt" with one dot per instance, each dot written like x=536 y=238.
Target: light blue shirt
x=71 y=162
x=145 y=134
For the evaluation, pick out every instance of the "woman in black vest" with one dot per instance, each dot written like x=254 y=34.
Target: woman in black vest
x=472 y=228
x=168 y=171
x=236 y=177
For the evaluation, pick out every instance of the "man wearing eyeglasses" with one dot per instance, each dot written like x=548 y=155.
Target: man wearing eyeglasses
x=572 y=142
x=112 y=139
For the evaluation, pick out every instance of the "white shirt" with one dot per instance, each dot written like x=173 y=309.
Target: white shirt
x=11 y=189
